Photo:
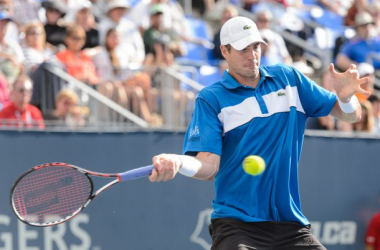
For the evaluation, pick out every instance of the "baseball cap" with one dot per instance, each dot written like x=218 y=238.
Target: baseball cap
x=86 y=4
x=56 y=5
x=365 y=69
x=113 y=4
x=156 y=9
x=240 y=32
x=5 y=16
x=363 y=18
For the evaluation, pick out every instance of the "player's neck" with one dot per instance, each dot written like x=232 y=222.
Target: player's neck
x=249 y=81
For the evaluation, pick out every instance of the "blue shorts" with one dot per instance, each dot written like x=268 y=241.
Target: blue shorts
x=229 y=234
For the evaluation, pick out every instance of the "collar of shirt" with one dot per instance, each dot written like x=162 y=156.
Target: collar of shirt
x=230 y=83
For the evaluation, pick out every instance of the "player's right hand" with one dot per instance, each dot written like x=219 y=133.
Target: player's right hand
x=166 y=167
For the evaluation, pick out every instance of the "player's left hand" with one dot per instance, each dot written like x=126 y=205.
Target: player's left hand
x=348 y=83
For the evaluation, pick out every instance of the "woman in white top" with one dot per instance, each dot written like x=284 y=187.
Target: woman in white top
x=34 y=47
x=118 y=81
x=112 y=60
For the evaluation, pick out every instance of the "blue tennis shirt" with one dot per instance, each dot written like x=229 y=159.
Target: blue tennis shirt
x=234 y=121
x=358 y=50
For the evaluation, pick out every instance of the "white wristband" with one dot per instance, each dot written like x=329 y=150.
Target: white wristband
x=350 y=106
x=189 y=166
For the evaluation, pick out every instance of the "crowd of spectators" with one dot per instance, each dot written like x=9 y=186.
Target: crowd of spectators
x=117 y=46
x=105 y=44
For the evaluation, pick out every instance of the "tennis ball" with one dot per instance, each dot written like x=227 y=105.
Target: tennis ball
x=253 y=165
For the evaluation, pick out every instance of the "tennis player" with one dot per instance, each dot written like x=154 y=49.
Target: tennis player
x=257 y=110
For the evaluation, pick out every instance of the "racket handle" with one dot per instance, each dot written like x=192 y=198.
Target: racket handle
x=136 y=173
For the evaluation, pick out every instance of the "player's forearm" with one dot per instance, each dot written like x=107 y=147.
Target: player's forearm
x=209 y=165
x=347 y=116
x=204 y=166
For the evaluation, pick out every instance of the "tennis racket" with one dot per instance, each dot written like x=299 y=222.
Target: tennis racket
x=52 y=193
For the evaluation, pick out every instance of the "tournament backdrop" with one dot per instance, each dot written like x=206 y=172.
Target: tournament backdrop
x=339 y=182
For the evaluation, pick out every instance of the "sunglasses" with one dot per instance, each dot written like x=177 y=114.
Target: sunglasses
x=34 y=33
x=261 y=20
x=77 y=38
x=24 y=90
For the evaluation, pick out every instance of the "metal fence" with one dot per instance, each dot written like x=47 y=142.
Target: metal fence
x=169 y=109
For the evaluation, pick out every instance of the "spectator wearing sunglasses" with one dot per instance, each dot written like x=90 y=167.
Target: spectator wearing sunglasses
x=19 y=112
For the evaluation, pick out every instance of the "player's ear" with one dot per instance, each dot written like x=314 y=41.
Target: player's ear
x=224 y=51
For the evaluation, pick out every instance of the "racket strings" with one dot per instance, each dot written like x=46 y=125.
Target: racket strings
x=51 y=194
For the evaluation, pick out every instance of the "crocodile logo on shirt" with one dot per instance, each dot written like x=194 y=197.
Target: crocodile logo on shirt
x=281 y=94
x=246 y=27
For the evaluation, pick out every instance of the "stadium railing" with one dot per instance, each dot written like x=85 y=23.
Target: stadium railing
x=174 y=103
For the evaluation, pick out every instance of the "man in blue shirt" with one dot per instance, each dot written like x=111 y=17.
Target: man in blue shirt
x=364 y=47
x=256 y=110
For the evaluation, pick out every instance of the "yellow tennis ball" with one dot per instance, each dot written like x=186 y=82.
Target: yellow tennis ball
x=253 y=165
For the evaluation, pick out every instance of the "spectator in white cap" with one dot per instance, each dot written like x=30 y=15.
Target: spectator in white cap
x=83 y=16
x=55 y=28
x=364 y=47
x=130 y=37
x=256 y=110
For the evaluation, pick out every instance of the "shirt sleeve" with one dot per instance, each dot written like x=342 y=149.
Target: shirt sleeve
x=204 y=133
x=316 y=101
x=345 y=50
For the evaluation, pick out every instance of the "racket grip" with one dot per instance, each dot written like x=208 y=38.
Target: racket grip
x=136 y=173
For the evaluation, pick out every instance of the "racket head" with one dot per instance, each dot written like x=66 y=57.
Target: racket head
x=50 y=194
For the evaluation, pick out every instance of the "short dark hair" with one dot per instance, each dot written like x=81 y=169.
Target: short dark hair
x=228 y=47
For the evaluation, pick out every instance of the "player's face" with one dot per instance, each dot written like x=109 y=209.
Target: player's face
x=243 y=64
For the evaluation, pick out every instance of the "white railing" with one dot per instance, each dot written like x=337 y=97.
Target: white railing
x=173 y=104
x=100 y=106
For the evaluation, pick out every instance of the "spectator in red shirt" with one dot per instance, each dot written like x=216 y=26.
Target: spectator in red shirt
x=19 y=113
x=372 y=238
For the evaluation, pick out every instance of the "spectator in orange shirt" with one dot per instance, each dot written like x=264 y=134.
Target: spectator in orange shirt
x=19 y=112
x=78 y=64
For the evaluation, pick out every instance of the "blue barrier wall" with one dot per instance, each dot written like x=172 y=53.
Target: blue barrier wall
x=339 y=181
